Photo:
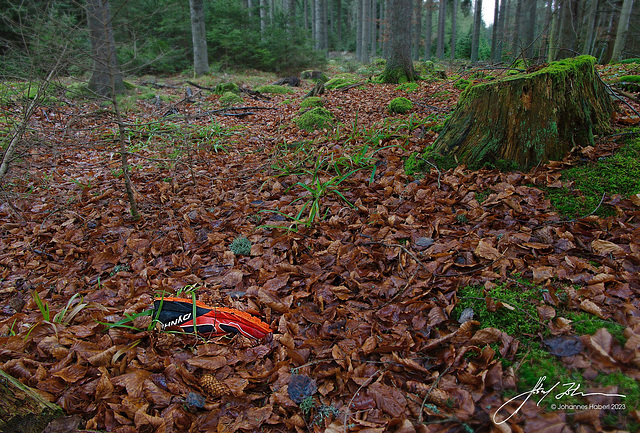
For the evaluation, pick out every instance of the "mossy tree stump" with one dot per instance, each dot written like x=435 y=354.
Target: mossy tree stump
x=23 y=409
x=528 y=119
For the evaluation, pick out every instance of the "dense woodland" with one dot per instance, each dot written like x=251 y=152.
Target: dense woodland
x=262 y=158
x=158 y=36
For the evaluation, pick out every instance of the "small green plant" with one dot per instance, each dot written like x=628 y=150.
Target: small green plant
x=461 y=84
x=223 y=88
x=42 y=306
x=241 y=246
x=66 y=315
x=408 y=87
x=399 y=105
x=316 y=118
x=312 y=101
x=617 y=174
x=274 y=89
x=630 y=83
x=307 y=405
x=342 y=80
x=229 y=98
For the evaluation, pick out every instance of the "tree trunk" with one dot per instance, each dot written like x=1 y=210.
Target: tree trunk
x=497 y=55
x=417 y=29
x=529 y=27
x=623 y=30
x=494 y=30
x=105 y=62
x=516 y=42
x=23 y=409
x=442 y=21
x=587 y=43
x=399 y=67
x=567 y=37
x=477 y=24
x=454 y=29
x=359 y=25
x=199 y=38
x=428 y=30
x=366 y=30
x=263 y=16
x=528 y=119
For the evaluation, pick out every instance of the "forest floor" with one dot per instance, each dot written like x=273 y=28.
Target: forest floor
x=441 y=301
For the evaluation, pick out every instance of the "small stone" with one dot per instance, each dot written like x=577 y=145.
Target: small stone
x=424 y=242
x=195 y=400
x=301 y=387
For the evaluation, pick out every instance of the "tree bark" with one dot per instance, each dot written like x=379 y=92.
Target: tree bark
x=567 y=37
x=105 y=62
x=454 y=29
x=366 y=30
x=477 y=24
x=442 y=21
x=23 y=409
x=529 y=27
x=428 y=30
x=199 y=38
x=417 y=29
x=399 y=67
x=496 y=55
x=587 y=43
x=528 y=119
x=623 y=30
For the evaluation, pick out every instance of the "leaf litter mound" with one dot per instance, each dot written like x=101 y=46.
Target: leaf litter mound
x=360 y=302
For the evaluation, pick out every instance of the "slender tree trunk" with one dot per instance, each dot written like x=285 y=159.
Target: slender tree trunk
x=494 y=30
x=359 y=31
x=399 y=67
x=623 y=30
x=529 y=27
x=454 y=29
x=496 y=55
x=475 y=38
x=105 y=62
x=417 y=28
x=374 y=21
x=442 y=21
x=546 y=32
x=339 y=23
x=589 y=26
x=556 y=19
x=567 y=39
x=516 y=42
x=366 y=30
x=199 y=38
x=428 y=30
x=263 y=16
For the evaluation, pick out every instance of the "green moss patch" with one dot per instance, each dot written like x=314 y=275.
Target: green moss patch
x=314 y=119
x=342 y=80
x=617 y=174
x=312 y=101
x=229 y=98
x=272 y=88
x=399 y=105
x=630 y=83
x=408 y=87
x=223 y=88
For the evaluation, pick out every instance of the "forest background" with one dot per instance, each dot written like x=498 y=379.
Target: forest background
x=272 y=35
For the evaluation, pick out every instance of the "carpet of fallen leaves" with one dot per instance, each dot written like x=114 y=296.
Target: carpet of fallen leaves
x=360 y=303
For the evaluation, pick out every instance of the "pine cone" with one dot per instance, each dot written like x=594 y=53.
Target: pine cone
x=213 y=386
x=435 y=396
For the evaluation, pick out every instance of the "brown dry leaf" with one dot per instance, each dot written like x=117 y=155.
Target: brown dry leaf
x=487 y=251
x=388 y=399
x=592 y=308
x=604 y=248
